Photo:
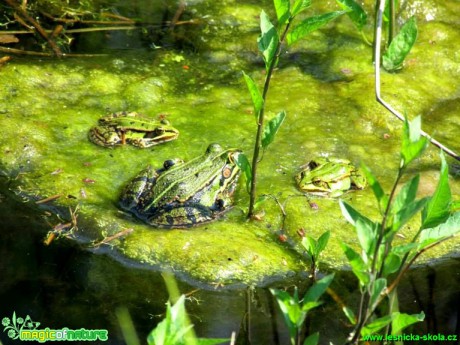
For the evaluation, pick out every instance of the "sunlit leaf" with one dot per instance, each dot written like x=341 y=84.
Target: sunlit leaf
x=366 y=236
x=400 y=47
x=352 y=216
x=391 y=264
x=299 y=6
x=354 y=10
x=375 y=325
x=349 y=314
x=268 y=40
x=357 y=264
x=405 y=214
x=310 y=245
x=450 y=227
x=380 y=195
x=318 y=288
x=379 y=286
x=322 y=241
x=311 y=24
x=256 y=96
x=282 y=11
x=271 y=128
x=406 y=195
x=403 y=249
x=437 y=209
x=243 y=163
x=312 y=339
x=401 y=321
x=413 y=144
x=290 y=307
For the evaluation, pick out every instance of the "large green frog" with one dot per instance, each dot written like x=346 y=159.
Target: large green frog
x=184 y=194
x=133 y=129
x=330 y=177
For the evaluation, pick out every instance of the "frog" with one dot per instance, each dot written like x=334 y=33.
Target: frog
x=330 y=177
x=131 y=128
x=184 y=194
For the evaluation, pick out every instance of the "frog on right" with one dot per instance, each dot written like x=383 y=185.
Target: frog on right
x=329 y=177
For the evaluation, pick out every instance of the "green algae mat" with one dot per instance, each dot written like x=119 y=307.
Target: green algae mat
x=326 y=87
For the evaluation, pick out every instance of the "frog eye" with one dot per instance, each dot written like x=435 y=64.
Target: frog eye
x=226 y=172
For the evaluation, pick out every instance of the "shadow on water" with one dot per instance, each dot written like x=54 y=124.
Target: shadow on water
x=62 y=285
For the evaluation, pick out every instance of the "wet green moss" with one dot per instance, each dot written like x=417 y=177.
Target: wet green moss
x=326 y=86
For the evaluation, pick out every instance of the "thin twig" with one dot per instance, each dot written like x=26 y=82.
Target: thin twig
x=36 y=25
x=32 y=53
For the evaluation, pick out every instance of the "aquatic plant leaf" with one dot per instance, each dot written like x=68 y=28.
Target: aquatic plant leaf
x=310 y=245
x=356 y=13
x=400 y=47
x=243 y=163
x=403 y=249
x=380 y=195
x=299 y=6
x=268 y=40
x=351 y=215
x=367 y=234
x=322 y=242
x=449 y=228
x=357 y=264
x=318 y=288
x=406 y=213
x=406 y=195
x=282 y=8
x=256 y=96
x=391 y=264
x=311 y=24
x=379 y=285
x=312 y=339
x=271 y=128
x=290 y=307
x=437 y=209
x=376 y=325
x=402 y=320
x=349 y=314
x=413 y=144
x=386 y=12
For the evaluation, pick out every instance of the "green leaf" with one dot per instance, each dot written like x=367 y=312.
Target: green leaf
x=312 y=339
x=243 y=163
x=352 y=216
x=450 y=227
x=318 y=288
x=400 y=47
x=366 y=236
x=375 y=325
x=282 y=11
x=268 y=40
x=311 y=24
x=306 y=307
x=401 y=321
x=380 y=195
x=391 y=264
x=256 y=97
x=349 y=314
x=356 y=13
x=406 y=195
x=211 y=341
x=413 y=144
x=310 y=245
x=386 y=12
x=299 y=6
x=379 y=286
x=403 y=216
x=357 y=264
x=271 y=128
x=403 y=249
x=290 y=307
x=437 y=209
x=322 y=242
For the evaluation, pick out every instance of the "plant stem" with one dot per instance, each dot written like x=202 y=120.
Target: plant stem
x=391 y=22
x=260 y=120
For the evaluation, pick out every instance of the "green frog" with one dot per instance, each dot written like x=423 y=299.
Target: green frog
x=182 y=195
x=133 y=129
x=330 y=177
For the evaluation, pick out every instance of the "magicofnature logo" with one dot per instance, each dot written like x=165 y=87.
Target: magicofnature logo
x=27 y=330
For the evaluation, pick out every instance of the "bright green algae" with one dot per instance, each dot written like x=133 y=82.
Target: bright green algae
x=326 y=86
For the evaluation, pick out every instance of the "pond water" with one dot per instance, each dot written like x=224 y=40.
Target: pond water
x=192 y=76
